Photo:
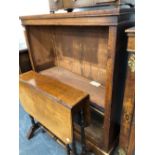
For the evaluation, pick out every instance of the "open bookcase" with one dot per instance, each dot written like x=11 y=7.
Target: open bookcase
x=78 y=49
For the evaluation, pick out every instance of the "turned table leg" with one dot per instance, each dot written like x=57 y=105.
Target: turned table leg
x=33 y=128
x=68 y=149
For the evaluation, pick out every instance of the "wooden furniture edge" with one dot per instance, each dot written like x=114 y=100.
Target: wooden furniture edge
x=50 y=96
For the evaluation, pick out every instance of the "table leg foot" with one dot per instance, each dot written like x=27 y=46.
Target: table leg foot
x=33 y=128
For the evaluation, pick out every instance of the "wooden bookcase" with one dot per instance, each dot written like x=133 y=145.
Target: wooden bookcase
x=77 y=48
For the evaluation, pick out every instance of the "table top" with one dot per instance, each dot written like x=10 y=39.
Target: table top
x=62 y=93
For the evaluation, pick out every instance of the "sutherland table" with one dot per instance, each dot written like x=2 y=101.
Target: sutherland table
x=52 y=104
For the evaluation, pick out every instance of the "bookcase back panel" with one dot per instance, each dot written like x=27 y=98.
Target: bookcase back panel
x=41 y=47
x=82 y=50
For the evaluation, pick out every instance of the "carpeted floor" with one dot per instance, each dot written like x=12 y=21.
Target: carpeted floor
x=41 y=143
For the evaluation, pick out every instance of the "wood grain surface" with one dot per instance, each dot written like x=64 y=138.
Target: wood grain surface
x=96 y=93
x=87 y=45
x=51 y=103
